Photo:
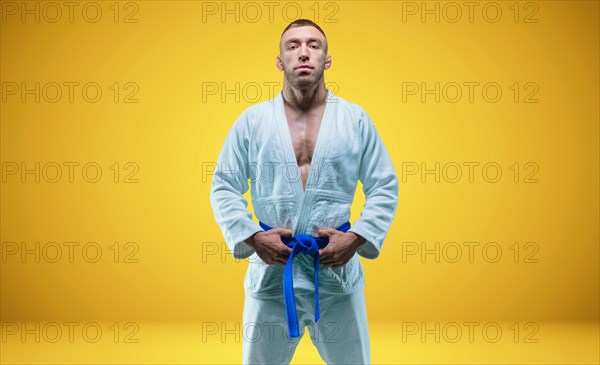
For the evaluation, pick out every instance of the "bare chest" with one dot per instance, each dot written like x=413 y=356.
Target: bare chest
x=304 y=129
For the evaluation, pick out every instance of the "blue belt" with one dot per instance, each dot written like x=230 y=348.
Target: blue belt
x=308 y=245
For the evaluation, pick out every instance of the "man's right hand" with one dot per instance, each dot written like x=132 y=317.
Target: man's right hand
x=269 y=247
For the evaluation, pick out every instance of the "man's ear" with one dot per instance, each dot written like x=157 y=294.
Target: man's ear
x=278 y=63
x=327 y=62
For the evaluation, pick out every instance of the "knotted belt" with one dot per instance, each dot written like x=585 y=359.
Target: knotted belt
x=308 y=245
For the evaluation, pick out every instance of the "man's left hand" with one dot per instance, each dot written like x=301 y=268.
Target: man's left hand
x=341 y=247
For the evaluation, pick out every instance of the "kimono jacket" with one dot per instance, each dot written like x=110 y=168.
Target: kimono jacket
x=258 y=148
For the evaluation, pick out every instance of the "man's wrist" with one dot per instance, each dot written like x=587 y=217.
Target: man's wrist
x=358 y=239
x=250 y=240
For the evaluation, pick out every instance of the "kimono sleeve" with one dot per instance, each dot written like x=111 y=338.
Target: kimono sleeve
x=380 y=186
x=229 y=183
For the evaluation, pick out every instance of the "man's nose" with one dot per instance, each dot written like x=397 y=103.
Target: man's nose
x=304 y=55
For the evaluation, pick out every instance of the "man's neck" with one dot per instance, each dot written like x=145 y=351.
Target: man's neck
x=303 y=100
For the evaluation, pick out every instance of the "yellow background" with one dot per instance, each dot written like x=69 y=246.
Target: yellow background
x=175 y=131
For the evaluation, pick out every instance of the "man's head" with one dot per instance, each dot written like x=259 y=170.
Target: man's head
x=303 y=23
x=303 y=54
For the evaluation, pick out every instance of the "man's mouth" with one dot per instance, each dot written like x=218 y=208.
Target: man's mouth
x=304 y=67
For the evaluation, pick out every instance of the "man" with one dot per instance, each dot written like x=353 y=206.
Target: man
x=304 y=152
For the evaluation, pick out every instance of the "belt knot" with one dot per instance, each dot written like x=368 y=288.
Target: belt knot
x=308 y=245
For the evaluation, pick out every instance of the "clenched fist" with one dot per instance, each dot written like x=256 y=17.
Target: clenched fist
x=269 y=246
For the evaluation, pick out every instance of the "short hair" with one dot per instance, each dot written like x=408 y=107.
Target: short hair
x=303 y=23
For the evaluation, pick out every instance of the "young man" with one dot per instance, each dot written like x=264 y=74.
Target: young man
x=304 y=152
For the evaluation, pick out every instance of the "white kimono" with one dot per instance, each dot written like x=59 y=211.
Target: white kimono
x=259 y=148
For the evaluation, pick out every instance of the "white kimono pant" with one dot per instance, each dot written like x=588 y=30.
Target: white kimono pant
x=341 y=335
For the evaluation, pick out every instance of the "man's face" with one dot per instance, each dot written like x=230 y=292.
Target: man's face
x=302 y=56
